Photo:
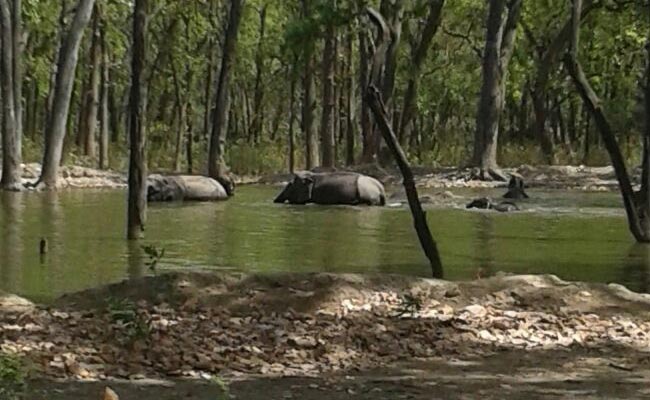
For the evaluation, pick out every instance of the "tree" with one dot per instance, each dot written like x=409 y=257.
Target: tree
x=11 y=157
x=90 y=99
x=418 y=57
x=327 y=126
x=137 y=200
x=217 y=167
x=499 y=43
x=308 y=99
x=58 y=116
x=637 y=204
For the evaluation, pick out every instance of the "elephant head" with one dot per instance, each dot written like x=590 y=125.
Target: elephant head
x=297 y=191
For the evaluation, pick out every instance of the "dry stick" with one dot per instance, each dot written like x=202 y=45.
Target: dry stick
x=419 y=216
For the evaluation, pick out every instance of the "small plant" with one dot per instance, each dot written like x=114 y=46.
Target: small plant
x=155 y=255
x=125 y=313
x=12 y=377
x=223 y=387
x=409 y=304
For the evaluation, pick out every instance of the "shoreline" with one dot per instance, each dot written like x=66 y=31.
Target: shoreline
x=564 y=177
x=310 y=326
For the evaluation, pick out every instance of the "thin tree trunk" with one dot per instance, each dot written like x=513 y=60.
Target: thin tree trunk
x=326 y=126
x=292 y=117
x=258 y=113
x=419 y=216
x=11 y=170
x=415 y=69
x=104 y=117
x=217 y=167
x=309 y=102
x=366 y=122
x=137 y=204
x=91 y=97
x=350 y=132
x=18 y=49
x=67 y=64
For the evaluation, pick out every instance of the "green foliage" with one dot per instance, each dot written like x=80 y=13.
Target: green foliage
x=124 y=313
x=224 y=388
x=13 y=374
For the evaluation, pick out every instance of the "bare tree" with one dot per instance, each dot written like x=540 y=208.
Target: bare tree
x=137 y=202
x=327 y=126
x=58 y=116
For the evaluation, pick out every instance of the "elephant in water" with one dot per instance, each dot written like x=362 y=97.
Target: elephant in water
x=333 y=188
x=487 y=204
x=184 y=187
x=515 y=189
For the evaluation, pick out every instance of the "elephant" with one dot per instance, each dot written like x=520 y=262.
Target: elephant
x=333 y=188
x=487 y=204
x=515 y=189
x=184 y=187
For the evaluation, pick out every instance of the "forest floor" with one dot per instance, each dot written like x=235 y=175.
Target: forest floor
x=324 y=336
x=550 y=177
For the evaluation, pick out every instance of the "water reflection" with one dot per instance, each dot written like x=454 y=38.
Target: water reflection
x=11 y=245
x=484 y=253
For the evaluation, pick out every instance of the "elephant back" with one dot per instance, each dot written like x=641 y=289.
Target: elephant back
x=335 y=188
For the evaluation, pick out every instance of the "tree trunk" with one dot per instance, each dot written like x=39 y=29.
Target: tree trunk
x=66 y=66
x=91 y=97
x=18 y=49
x=418 y=57
x=350 y=131
x=11 y=170
x=419 y=216
x=366 y=122
x=326 y=126
x=104 y=117
x=258 y=113
x=137 y=204
x=309 y=102
x=217 y=167
x=292 y=117
x=499 y=44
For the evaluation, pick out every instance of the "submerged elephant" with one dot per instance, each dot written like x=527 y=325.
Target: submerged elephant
x=515 y=189
x=184 y=187
x=333 y=188
x=487 y=204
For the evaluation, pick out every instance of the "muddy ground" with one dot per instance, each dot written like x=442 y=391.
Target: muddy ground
x=322 y=336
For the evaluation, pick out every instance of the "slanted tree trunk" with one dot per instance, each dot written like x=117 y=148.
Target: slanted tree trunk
x=326 y=126
x=104 y=117
x=637 y=205
x=66 y=66
x=419 y=54
x=419 y=216
x=217 y=167
x=137 y=202
x=11 y=159
x=499 y=44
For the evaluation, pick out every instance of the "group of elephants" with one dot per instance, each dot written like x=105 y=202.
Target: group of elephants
x=329 y=188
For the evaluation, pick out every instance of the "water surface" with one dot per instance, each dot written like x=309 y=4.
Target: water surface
x=577 y=236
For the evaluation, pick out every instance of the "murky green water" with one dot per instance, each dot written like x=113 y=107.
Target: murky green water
x=574 y=235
